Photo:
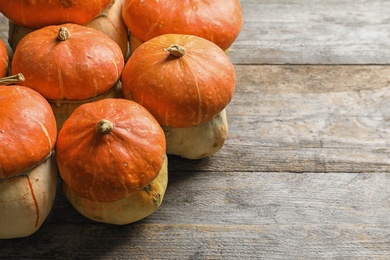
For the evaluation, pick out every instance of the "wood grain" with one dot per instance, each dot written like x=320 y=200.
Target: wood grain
x=232 y=215
x=243 y=198
x=314 y=32
x=151 y=241
x=306 y=119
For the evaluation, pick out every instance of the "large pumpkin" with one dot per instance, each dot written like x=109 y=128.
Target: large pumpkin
x=219 y=21
x=111 y=157
x=183 y=80
x=4 y=59
x=41 y=13
x=69 y=63
x=28 y=172
x=109 y=22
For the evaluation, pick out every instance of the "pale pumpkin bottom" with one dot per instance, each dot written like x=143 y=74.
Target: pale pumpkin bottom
x=27 y=199
x=127 y=210
x=199 y=141
x=62 y=109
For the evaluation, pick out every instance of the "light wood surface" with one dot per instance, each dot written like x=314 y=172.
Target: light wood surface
x=305 y=172
x=314 y=32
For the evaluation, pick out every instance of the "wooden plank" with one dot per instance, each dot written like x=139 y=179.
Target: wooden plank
x=253 y=198
x=204 y=242
x=232 y=215
x=305 y=119
x=313 y=32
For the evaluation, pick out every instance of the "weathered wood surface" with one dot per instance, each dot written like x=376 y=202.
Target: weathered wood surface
x=305 y=171
x=314 y=32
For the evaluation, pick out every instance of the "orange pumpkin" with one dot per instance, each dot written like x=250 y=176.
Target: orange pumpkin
x=28 y=172
x=68 y=62
x=109 y=22
x=218 y=21
x=40 y=13
x=182 y=80
x=27 y=129
x=109 y=151
x=3 y=60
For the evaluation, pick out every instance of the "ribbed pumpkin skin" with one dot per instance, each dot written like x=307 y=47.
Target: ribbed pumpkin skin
x=40 y=13
x=27 y=129
x=109 y=22
x=109 y=167
x=219 y=21
x=88 y=64
x=180 y=92
x=3 y=60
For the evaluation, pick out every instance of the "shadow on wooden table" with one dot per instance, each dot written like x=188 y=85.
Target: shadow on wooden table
x=81 y=237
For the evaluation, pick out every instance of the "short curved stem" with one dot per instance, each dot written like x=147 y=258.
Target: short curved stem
x=176 y=50
x=104 y=126
x=63 y=34
x=12 y=79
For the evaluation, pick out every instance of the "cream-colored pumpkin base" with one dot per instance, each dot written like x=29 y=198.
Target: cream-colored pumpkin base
x=127 y=210
x=109 y=22
x=112 y=24
x=27 y=199
x=62 y=109
x=199 y=141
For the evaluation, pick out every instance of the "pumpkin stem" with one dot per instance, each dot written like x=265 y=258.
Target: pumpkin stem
x=63 y=34
x=176 y=50
x=104 y=126
x=12 y=79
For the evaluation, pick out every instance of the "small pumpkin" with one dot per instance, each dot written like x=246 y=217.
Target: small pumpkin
x=112 y=159
x=4 y=60
x=41 y=13
x=73 y=64
x=109 y=22
x=219 y=21
x=184 y=81
x=28 y=171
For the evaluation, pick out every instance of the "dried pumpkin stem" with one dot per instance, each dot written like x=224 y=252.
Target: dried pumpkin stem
x=104 y=126
x=63 y=34
x=12 y=79
x=176 y=50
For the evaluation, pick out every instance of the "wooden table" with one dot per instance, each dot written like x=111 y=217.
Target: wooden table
x=305 y=173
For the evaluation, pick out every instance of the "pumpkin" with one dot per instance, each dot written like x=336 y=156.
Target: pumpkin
x=112 y=160
x=218 y=21
x=28 y=171
x=4 y=59
x=109 y=22
x=41 y=13
x=184 y=81
x=73 y=64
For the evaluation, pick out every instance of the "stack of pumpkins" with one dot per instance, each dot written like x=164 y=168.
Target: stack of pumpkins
x=102 y=91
